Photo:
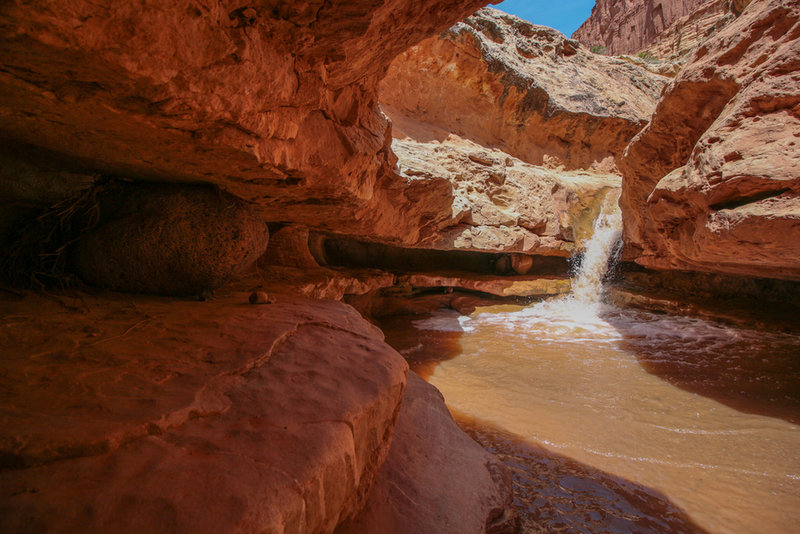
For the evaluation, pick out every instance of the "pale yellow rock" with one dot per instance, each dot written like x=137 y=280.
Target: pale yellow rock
x=506 y=286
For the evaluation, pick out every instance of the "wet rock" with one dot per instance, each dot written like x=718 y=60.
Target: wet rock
x=168 y=240
x=464 y=488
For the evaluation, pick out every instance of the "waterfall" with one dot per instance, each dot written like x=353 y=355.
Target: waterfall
x=587 y=285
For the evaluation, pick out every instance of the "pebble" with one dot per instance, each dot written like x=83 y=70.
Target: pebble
x=260 y=297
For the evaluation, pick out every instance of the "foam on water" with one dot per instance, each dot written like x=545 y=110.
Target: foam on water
x=582 y=316
x=703 y=411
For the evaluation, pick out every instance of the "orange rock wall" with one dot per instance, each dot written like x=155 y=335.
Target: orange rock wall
x=274 y=101
x=628 y=26
x=502 y=82
x=711 y=184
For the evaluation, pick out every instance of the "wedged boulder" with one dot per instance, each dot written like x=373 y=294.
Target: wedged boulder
x=134 y=414
x=725 y=197
x=527 y=90
x=168 y=239
x=465 y=490
x=289 y=247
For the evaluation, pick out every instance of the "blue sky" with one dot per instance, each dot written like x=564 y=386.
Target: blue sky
x=563 y=15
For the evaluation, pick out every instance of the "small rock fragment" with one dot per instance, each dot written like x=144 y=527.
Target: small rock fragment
x=260 y=297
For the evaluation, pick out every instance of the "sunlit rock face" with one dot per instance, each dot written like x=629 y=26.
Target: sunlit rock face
x=688 y=32
x=429 y=451
x=628 y=26
x=521 y=123
x=274 y=101
x=711 y=184
x=528 y=90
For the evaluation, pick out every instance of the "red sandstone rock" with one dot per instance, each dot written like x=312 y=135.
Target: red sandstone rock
x=436 y=478
x=712 y=184
x=505 y=83
x=505 y=286
x=275 y=102
x=688 y=32
x=628 y=26
x=289 y=247
x=499 y=203
x=168 y=240
x=509 y=112
x=323 y=283
x=134 y=414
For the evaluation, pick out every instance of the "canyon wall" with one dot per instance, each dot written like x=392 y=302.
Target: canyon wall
x=145 y=145
x=502 y=82
x=275 y=102
x=711 y=184
x=522 y=123
x=688 y=32
x=629 y=26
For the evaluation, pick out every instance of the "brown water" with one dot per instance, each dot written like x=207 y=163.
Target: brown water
x=699 y=417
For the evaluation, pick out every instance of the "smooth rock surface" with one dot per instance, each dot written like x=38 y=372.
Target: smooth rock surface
x=289 y=247
x=711 y=184
x=436 y=478
x=168 y=239
x=123 y=413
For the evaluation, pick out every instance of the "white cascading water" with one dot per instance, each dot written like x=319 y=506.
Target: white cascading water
x=597 y=383
x=587 y=286
x=577 y=316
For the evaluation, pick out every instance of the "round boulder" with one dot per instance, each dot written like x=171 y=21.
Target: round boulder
x=169 y=239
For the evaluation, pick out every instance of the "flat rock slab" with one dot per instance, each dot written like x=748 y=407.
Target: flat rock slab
x=436 y=478
x=503 y=286
x=124 y=413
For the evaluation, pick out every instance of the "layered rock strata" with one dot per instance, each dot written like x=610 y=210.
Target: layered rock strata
x=275 y=102
x=628 y=26
x=711 y=184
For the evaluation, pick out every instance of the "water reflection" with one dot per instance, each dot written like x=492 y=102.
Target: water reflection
x=753 y=371
x=553 y=493
x=574 y=378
